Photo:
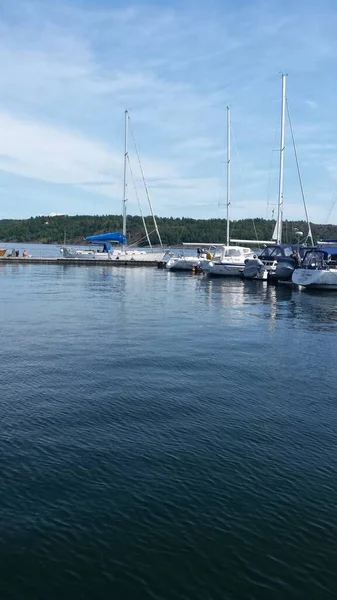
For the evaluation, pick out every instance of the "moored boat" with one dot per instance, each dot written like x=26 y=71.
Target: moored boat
x=105 y=241
x=182 y=262
x=230 y=264
x=278 y=261
x=274 y=262
x=318 y=269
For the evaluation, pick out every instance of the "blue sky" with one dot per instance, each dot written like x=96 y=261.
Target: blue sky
x=69 y=69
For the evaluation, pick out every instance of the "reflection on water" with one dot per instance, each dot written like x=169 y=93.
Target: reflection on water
x=165 y=436
x=315 y=309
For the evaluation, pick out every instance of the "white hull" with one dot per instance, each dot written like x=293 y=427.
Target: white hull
x=223 y=269
x=115 y=255
x=182 y=263
x=321 y=279
x=231 y=262
x=84 y=254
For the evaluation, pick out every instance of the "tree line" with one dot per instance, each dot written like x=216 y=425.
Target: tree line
x=173 y=231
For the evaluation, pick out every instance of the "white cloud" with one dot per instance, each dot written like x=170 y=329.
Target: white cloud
x=311 y=103
x=68 y=72
x=48 y=153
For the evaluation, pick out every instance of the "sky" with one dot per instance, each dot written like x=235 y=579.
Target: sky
x=69 y=69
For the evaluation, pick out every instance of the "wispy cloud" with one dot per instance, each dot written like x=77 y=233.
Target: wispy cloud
x=311 y=103
x=69 y=70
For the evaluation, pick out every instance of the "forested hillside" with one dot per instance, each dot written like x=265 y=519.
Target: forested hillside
x=50 y=230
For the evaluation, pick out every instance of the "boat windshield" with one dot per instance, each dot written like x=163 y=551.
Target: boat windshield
x=267 y=252
x=275 y=252
x=232 y=252
x=314 y=260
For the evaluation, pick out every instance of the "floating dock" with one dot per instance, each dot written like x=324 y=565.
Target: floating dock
x=80 y=262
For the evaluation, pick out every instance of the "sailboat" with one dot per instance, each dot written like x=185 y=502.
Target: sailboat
x=278 y=261
x=318 y=269
x=122 y=252
x=232 y=258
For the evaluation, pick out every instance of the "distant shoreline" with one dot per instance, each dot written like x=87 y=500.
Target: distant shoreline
x=173 y=231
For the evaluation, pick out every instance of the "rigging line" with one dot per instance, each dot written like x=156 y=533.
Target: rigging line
x=137 y=196
x=242 y=176
x=299 y=176
x=137 y=242
x=145 y=237
x=330 y=210
x=146 y=188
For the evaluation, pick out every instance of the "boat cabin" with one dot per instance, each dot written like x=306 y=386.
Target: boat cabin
x=282 y=252
x=320 y=258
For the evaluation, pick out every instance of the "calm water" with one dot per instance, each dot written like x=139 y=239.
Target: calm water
x=165 y=436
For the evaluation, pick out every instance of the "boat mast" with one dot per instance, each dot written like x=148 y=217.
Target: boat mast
x=145 y=185
x=228 y=169
x=280 y=188
x=125 y=165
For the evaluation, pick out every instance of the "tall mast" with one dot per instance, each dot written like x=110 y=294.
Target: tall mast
x=228 y=169
x=280 y=187
x=125 y=165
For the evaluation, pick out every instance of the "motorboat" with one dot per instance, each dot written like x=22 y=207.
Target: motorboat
x=230 y=264
x=182 y=262
x=318 y=269
x=274 y=263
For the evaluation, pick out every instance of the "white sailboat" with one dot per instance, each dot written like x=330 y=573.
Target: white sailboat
x=122 y=252
x=232 y=259
x=318 y=269
x=278 y=261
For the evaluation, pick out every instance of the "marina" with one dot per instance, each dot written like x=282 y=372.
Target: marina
x=168 y=291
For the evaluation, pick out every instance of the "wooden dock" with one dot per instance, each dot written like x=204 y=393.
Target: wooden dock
x=80 y=262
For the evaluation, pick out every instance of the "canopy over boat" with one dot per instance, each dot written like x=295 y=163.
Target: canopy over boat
x=105 y=238
x=326 y=250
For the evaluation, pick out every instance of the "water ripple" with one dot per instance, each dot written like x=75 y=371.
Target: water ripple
x=165 y=437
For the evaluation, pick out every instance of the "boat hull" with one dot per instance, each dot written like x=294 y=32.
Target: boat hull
x=281 y=270
x=273 y=270
x=214 y=269
x=115 y=255
x=320 y=279
x=182 y=263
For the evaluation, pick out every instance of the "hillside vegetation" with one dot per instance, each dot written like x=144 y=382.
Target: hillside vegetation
x=53 y=230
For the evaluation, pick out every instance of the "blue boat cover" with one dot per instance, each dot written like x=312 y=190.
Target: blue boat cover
x=327 y=249
x=324 y=249
x=104 y=238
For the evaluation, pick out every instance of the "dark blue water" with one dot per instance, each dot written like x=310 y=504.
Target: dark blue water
x=165 y=436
